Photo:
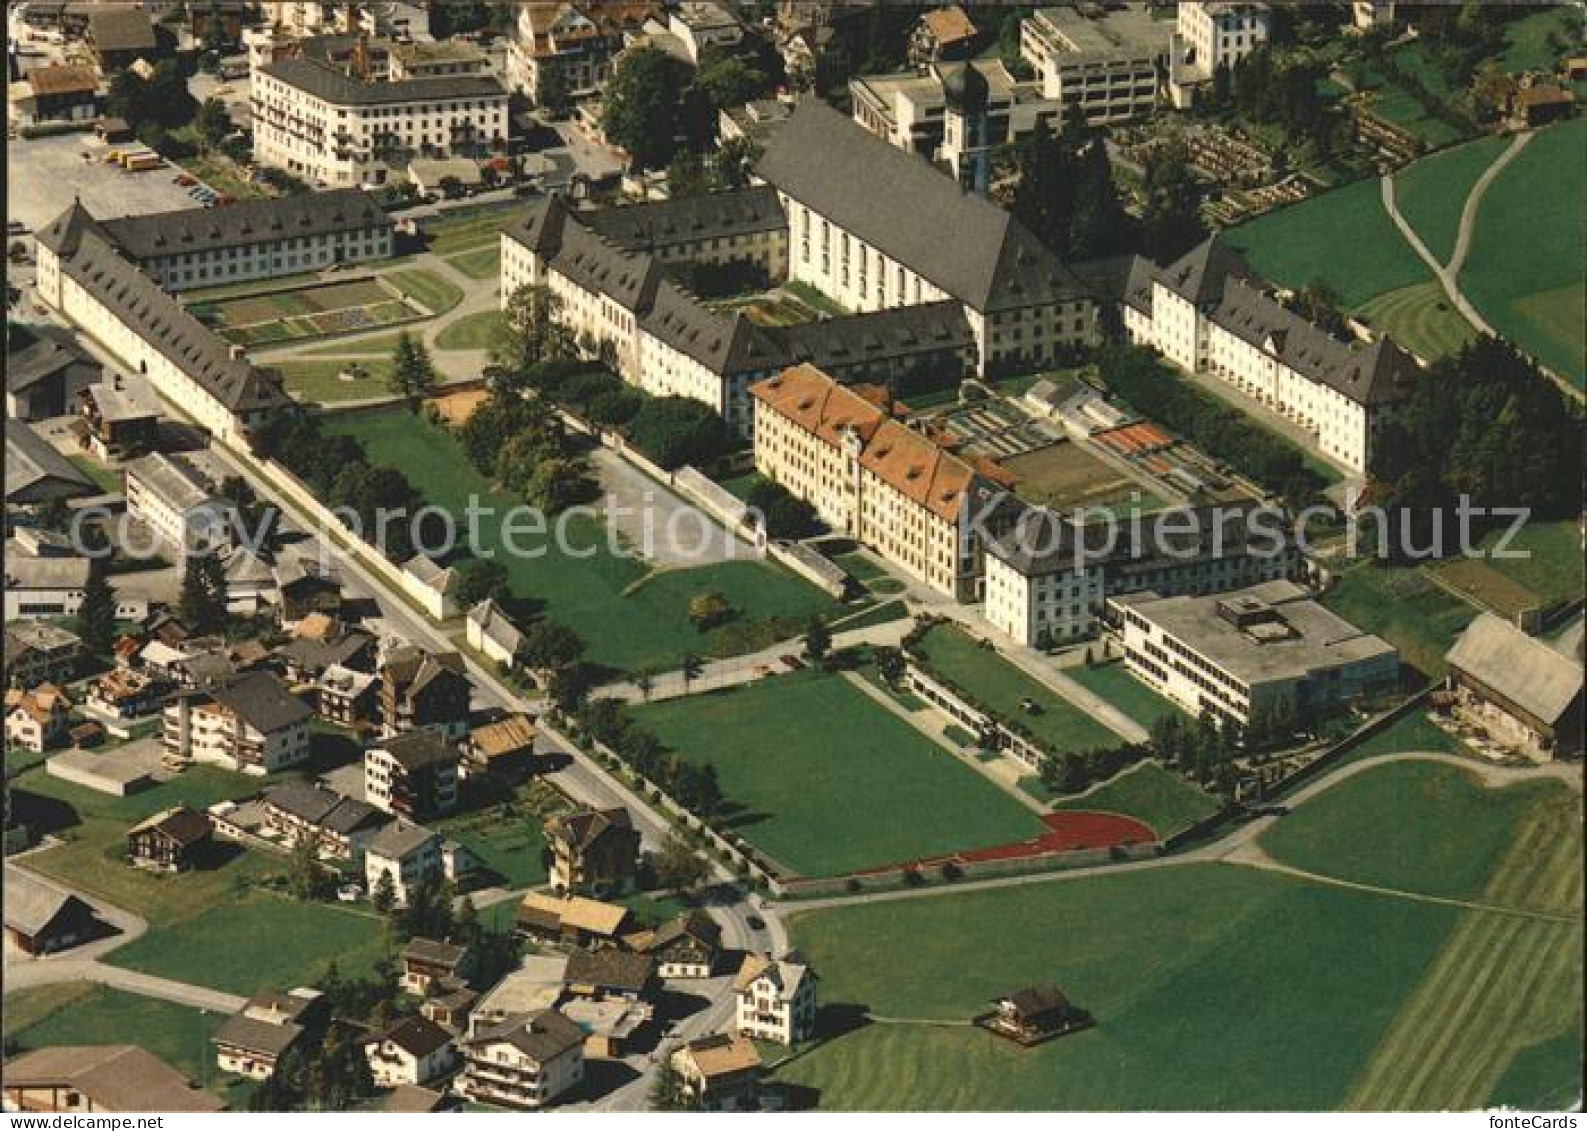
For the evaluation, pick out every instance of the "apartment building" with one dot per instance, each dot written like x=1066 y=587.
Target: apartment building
x=178 y=504
x=1210 y=313
x=323 y=124
x=250 y=723
x=592 y=851
x=412 y=775
x=422 y=690
x=580 y=41
x=1107 y=62
x=775 y=998
x=1209 y=35
x=524 y=1063
x=1267 y=651
x=1047 y=579
x=872 y=476
x=405 y=855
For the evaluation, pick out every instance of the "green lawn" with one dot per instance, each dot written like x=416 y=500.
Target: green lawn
x=471 y=332
x=1210 y=985
x=318 y=381
x=480 y=263
x=627 y=625
x=106 y=479
x=1529 y=250
x=1113 y=682
x=1526 y=40
x=1420 y=318
x=507 y=837
x=1412 y=733
x=1552 y=567
x=1396 y=826
x=829 y=782
x=468 y=229
x=884 y=613
x=1405 y=608
x=1432 y=191
x=79 y=1013
x=997 y=685
x=1343 y=236
x=430 y=290
x=381 y=345
x=1546 y=1076
x=1150 y=793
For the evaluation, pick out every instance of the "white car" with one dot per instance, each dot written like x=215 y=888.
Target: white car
x=349 y=893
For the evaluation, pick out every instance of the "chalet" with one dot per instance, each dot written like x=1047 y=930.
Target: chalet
x=348 y=697
x=449 y=1005
x=942 y=35
x=307 y=586
x=36 y=719
x=94 y=1079
x=1033 y=1015
x=591 y=850
x=40 y=918
x=608 y=974
x=119 y=36
x=523 y=1064
x=419 y=689
x=412 y=774
x=413 y=1051
x=123 y=694
x=720 y=1072
x=172 y=841
x=305 y=658
x=686 y=947
x=1519 y=690
x=573 y=920
x=504 y=749
x=339 y=825
x=40 y=652
x=252 y=1041
x=776 y=998
x=427 y=963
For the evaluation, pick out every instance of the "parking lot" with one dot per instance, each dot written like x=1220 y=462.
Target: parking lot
x=43 y=173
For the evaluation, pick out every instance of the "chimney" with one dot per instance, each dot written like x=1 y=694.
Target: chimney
x=238 y=353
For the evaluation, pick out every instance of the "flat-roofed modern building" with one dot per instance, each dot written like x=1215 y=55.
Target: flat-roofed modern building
x=1107 y=62
x=1267 y=651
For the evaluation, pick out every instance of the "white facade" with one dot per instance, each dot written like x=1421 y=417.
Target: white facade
x=499 y=1071
x=409 y=861
x=1107 y=64
x=1219 y=33
x=1042 y=610
x=176 y=502
x=209 y=732
x=392 y=1065
x=778 y=1004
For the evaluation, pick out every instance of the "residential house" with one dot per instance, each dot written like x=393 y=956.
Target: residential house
x=41 y=918
x=577 y=41
x=942 y=35
x=250 y=723
x=412 y=775
x=305 y=658
x=116 y=420
x=36 y=719
x=1211 y=35
x=37 y=651
x=594 y=851
x=504 y=748
x=687 y=946
x=608 y=974
x=432 y=585
x=307 y=586
x=348 y=697
x=414 y=1051
x=526 y=1063
x=427 y=963
x=339 y=825
x=1033 y=1015
x=573 y=920
x=406 y=855
x=449 y=1005
x=1522 y=692
x=123 y=694
x=775 y=998
x=419 y=689
x=250 y=581
x=171 y=841
x=44 y=379
x=703 y=25
x=252 y=1041
x=490 y=632
x=64 y=1080
x=721 y=1072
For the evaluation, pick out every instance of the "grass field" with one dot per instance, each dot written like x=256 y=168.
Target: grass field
x=1420 y=318
x=1405 y=608
x=379 y=346
x=1410 y=734
x=480 y=263
x=1343 y=236
x=319 y=381
x=470 y=229
x=1526 y=40
x=829 y=782
x=1248 y=969
x=1431 y=192
x=508 y=837
x=79 y=1013
x=435 y=294
x=1149 y=793
x=1390 y=826
x=1552 y=567
x=997 y=685
x=471 y=332
x=1113 y=682
x=626 y=624
x=104 y=478
x=1529 y=250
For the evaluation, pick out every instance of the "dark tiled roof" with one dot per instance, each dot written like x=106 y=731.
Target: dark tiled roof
x=44 y=358
x=695 y=925
x=542 y=1036
x=725 y=344
x=246 y=222
x=641 y=227
x=1198 y=275
x=262 y=701
x=834 y=343
x=416 y=749
x=961 y=242
x=326 y=82
x=247 y=1033
x=609 y=969
x=31 y=459
x=587 y=826
x=116 y=27
x=415 y=1035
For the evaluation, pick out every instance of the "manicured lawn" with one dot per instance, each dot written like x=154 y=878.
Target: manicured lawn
x=430 y=290
x=471 y=332
x=104 y=478
x=1526 y=40
x=579 y=581
x=1546 y=1076
x=1343 y=236
x=1114 y=683
x=1148 y=792
x=507 y=837
x=1432 y=191
x=1529 y=250
x=1393 y=826
x=1000 y=687
x=381 y=345
x=78 y=1013
x=1406 y=609
x=468 y=229
x=1552 y=563
x=319 y=381
x=1410 y=734
x=481 y=263
x=884 y=613
x=1246 y=968
x=828 y=782
x=257 y=940
x=1420 y=318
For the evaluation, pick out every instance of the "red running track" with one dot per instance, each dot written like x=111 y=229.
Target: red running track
x=1066 y=832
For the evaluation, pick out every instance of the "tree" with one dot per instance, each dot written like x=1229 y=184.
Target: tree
x=690 y=668
x=531 y=330
x=889 y=663
x=466 y=929
x=384 y=897
x=646 y=108
x=213 y=120
x=412 y=372
x=306 y=879
x=678 y=867
x=783 y=513
x=482 y=580
x=96 y=616
x=550 y=646
x=709 y=609
x=674 y=431
x=552 y=92
x=1171 y=218
x=557 y=484
x=202 y=605
x=818 y=641
x=646 y=683
x=668 y=1092
x=728 y=81
x=1319 y=303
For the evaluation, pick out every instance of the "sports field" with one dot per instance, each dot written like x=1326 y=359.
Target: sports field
x=1003 y=689
x=630 y=615
x=826 y=781
x=1529 y=251
x=1148 y=792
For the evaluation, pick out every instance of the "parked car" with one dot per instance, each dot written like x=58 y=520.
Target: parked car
x=349 y=893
